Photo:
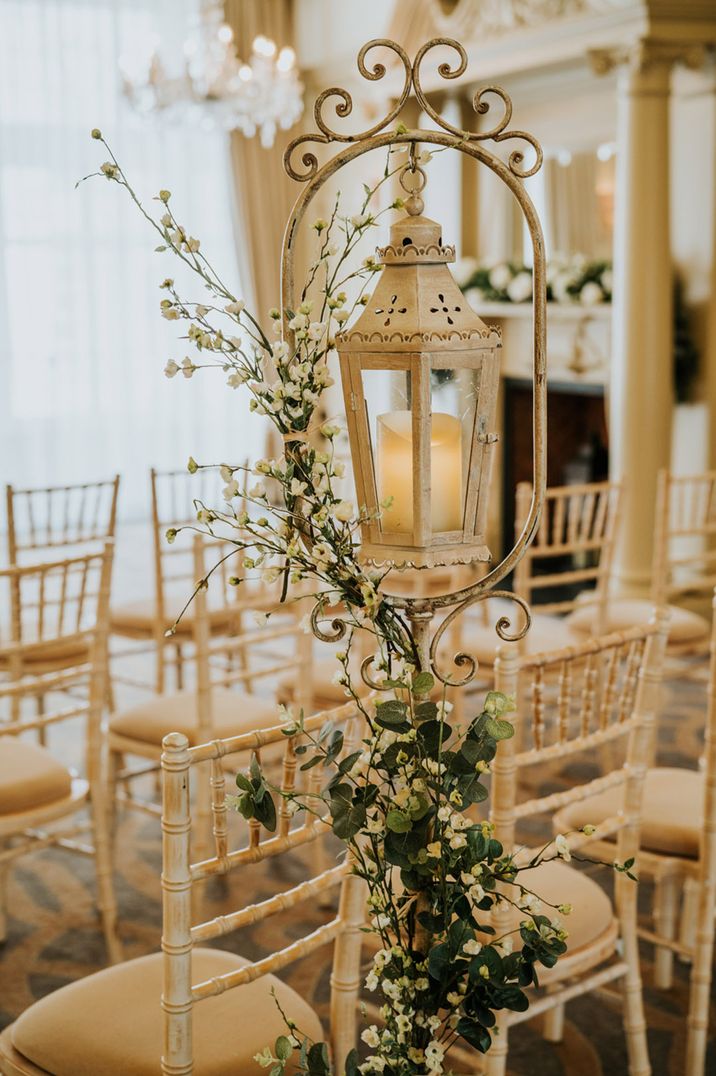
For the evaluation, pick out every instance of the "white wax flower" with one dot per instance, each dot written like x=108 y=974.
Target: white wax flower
x=316 y=330
x=591 y=294
x=561 y=282
x=463 y=269
x=520 y=287
x=562 y=846
x=343 y=511
x=475 y=296
x=500 y=276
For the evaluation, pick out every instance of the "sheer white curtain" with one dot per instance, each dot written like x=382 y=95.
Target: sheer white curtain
x=82 y=344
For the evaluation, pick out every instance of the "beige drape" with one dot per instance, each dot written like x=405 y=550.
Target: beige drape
x=263 y=193
x=575 y=222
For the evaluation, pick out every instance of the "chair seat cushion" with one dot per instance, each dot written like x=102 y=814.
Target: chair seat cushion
x=110 y=1023
x=546 y=633
x=51 y=654
x=624 y=613
x=29 y=776
x=140 y=616
x=671 y=816
x=233 y=712
x=591 y=918
x=326 y=693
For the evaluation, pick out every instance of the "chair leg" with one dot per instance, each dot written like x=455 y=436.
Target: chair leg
x=40 y=709
x=634 y=1019
x=179 y=659
x=114 y=764
x=110 y=700
x=106 y=901
x=689 y=914
x=323 y=862
x=700 y=986
x=245 y=666
x=553 y=1030
x=4 y=872
x=496 y=1056
x=160 y=669
x=625 y=892
x=665 y=921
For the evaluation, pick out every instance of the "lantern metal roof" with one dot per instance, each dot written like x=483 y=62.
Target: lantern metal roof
x=419 y=310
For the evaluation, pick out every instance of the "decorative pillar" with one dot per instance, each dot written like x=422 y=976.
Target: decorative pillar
x=641 y=384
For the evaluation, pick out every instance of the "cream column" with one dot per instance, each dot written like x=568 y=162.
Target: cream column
x=641 y=383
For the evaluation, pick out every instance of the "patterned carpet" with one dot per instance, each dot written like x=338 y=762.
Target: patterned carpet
x=54 y=936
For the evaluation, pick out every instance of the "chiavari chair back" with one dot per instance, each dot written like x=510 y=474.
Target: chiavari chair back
x=76 y=517
x=683 y=566
x=226 y=662
x=51 y=522
x=58 y=609
x=203 y=989
x=571 y=702
x=679 y=854
x=684 y=555
x=176 y=497
x=570 y=559
x=566 y=568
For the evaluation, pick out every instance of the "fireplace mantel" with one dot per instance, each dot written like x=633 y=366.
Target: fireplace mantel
x=578 y=340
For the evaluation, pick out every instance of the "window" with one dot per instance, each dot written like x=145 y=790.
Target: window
x=82 y=343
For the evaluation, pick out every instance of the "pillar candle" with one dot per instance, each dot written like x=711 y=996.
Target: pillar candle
x=395 y=471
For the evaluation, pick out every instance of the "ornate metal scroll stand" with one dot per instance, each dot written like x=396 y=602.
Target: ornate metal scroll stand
x=420 y=611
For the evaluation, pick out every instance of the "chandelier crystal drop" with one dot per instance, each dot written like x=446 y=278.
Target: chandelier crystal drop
x=217 y=90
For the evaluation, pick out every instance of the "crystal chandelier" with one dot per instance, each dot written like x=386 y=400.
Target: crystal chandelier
x=215 y=88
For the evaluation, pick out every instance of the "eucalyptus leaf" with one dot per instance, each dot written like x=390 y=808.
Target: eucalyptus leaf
x=283 y=1048
x=398 y=821
x=423 y=683
x=499 y=729
x=474 y=1033
x=426 y=711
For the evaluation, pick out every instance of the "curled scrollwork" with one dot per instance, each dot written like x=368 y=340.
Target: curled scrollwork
x=502 y=627
x=412 y=80
x=497 y=133
x=339 y=626
x=344 y=107
x=375 y=685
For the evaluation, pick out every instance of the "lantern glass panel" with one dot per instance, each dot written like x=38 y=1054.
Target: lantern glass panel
x=399 y=460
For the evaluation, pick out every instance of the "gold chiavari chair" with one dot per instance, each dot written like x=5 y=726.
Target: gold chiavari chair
x=683 y=567
x=173 y=497
x=214 y=706
x=65 y=520
x=216 y=1009
x=57 y=608
x=571 y=555
x=678 y=837
x=573 y=701
x=75 y=519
